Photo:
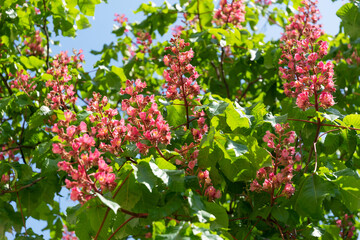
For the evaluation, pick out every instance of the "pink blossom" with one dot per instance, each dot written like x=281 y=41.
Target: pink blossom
x=75 y=194
x=56 y=148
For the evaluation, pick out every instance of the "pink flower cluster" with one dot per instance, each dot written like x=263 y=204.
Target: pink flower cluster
x=346 y=226
x=146 y=124
x=22 y=82
x=33 y=45
x=188 y=161
x=68 y=235
x=264 y=2
x=205 y=182
x=144 y=39
x=276 y=179
x=233 y=13
x=305 y=76
x=82 y=147
x=77 y=149
x=179 y=86
x=61 y=92
x=177 y=30
x=184 y=88
x=122 y=20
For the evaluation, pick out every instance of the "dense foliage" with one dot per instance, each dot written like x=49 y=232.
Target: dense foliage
x=213 y=134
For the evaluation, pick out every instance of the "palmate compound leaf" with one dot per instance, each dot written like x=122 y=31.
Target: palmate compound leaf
x=239 y=157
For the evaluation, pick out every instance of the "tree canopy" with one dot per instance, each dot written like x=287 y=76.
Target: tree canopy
x=215 y=133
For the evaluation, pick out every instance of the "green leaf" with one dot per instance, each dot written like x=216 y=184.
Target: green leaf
x=159 y=173
x=349 y=14
x=176 y=180
x=238 y=148
x=119 y=72
x=349 y=187
x=280 y=214
x=87 y=7
x=215 y=106
x=275 y=119
x=40 y=115
x=176 y=114
x=171 y=206
x=222 y=219
x=4 y=103
x=198 y=208
x=22 y=99
x=236 y=118
x=32 y=62
x=113 y=205
x=310 y=195
x=332 y=143
x=83 y=22
x=144 y=175
x=204 y=10
x=352 y=120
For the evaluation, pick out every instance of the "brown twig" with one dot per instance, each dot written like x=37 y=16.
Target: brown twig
x=198 y=14
x=123 y=182
x=6 y=84
x=223 y=77
x=102 y=223
x=137 y=215
x=324 y=124
x=248 y=87
x=173 y=128
x=44 y=27
x=22 y=215
x=131 y=218
x=247 y=235
x=23 y=187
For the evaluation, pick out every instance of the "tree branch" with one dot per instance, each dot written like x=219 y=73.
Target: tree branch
x=44 y=27
x=198 y=14
x=248 y=87
x=324 y=124
x=23 y=187
x=22 y=215
x=6 y=84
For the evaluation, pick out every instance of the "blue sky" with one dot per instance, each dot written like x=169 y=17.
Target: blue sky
x=100 y=33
